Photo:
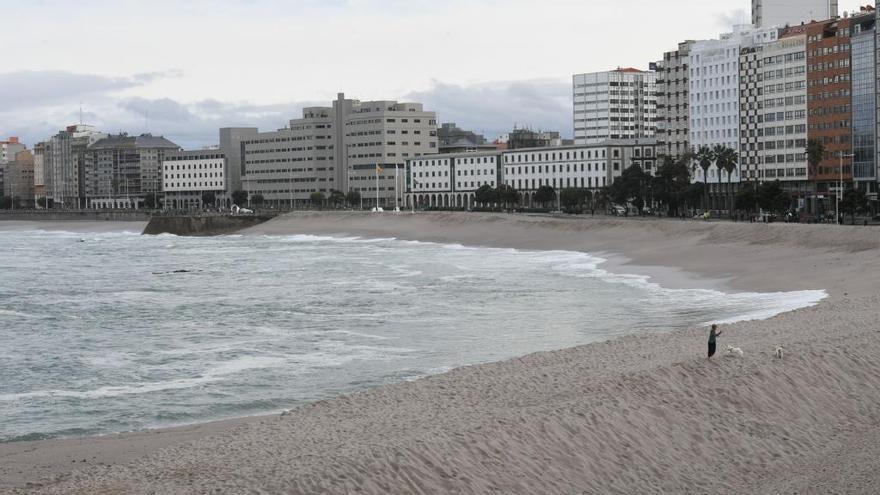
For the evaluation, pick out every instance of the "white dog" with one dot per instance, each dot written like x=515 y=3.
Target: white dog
x=778 y=352
x=733 y=352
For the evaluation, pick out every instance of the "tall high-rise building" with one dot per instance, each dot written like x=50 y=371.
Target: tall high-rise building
x=672 y=101
x=351 y=146
x=830 y=99
x=10 y=148
x=617 y=104
x=773 y=109
x=63 y=165
x=713 y=78
x=781 y=13
x=864 y=104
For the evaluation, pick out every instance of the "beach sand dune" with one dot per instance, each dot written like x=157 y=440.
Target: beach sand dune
x=640 y=414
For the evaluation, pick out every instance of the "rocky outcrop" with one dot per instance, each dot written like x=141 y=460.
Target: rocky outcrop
x=185 y=225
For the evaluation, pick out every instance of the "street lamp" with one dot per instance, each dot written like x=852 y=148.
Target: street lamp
x=840 y=187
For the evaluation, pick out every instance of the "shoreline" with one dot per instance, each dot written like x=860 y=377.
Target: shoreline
x=163 y=445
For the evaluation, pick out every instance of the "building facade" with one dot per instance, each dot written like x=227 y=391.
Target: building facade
x=617 y=104
x=40 y=175
x=18 y=179
x=781 y=13
x=773 y=109
x=121 y=171
x=9 y=148
x=64 y=165
x=714 y=79
x=864 y=105
x=829 y=94
x=452 y=180
x=351 y=146
x=673 y=103
x=188 y=175
x=285 y=167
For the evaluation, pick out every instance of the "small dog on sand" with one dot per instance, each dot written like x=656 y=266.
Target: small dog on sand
x=733 y=352
x=778 y=352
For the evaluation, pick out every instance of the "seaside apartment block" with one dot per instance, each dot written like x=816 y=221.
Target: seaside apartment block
x=617 y=104
x=451 y=180
x=351 y=146
x=122 y=171
x=773 y=109
x=673 y=102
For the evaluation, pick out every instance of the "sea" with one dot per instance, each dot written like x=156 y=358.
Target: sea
x=113 y=332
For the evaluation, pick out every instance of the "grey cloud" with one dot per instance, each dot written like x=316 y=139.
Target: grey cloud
x=494 y=108
x=489 y=108
x=37 y=89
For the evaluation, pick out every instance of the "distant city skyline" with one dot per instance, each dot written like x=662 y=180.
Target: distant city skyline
x=185 y=71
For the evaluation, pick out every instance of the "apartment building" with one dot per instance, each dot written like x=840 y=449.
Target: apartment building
x=18 y=179
x=863 y=65
x=781 y=13
x=829 y=94
x=9 y=148
x=452 y=180
x=673 y=103
x=188 y=175
x=64 y=167
x=617 y=104
x=351 y=146
x=120 y=171
x=713 y=78
x=773 y=108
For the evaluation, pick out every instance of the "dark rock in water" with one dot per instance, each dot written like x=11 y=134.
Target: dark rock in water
x=176 y=271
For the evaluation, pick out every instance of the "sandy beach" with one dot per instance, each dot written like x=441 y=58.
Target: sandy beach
x=641 y=414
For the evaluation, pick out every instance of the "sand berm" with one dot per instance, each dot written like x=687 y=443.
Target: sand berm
x=641 y=414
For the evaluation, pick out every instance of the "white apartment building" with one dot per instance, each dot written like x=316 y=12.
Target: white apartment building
x=773 y=105
x=352 y=146
x=781 y=13
x=187 y=175
x=452 y=180
x=714 y=75
x=617 y=104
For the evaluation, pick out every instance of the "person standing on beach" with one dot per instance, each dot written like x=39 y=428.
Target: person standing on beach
x=713 y=334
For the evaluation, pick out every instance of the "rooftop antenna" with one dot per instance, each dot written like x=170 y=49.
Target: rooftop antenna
x=80 y=113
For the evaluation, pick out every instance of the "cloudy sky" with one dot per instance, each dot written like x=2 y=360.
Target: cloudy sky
x=184 y=68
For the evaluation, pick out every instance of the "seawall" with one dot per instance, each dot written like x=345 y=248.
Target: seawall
x=76 y=215
x=186 y=225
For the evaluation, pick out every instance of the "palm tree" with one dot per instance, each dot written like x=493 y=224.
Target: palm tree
x=726 y=160
x=705 y=157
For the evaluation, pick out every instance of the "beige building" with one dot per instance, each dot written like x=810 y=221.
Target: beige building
x=339 y=148
x=18 y=180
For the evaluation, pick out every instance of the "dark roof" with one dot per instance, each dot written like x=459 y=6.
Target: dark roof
x=126 y=141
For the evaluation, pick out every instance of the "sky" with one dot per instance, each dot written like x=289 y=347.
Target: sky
x=184 y=68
